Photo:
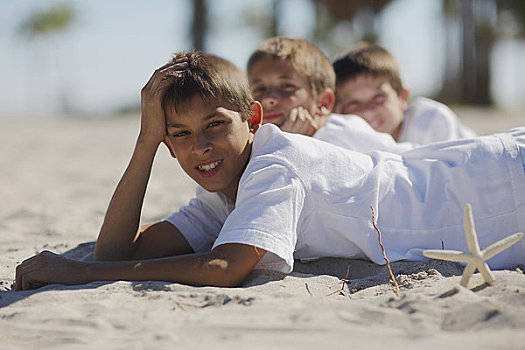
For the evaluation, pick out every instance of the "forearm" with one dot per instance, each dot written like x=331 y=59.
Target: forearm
x=192 y=269
x=121 y=223
x=225 y=266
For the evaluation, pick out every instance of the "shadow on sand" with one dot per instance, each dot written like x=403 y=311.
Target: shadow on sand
x=357 y=272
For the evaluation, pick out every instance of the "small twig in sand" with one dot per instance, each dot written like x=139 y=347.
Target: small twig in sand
x=307 y=288
x=383 y=250
x=345 y=281
x=260 y=261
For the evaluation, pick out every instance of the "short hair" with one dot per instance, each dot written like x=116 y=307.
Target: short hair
x=305 y=57
x=368 y=59
x=212 y=78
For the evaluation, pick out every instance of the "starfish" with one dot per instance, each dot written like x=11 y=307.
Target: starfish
x=476 y=259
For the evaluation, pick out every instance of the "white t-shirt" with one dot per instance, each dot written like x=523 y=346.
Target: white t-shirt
x=354 y=133
x=305 y=199
x=426 y=121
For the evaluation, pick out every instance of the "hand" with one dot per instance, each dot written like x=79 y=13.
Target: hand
x=47 y=268
x=153 y=119
x=300 y=121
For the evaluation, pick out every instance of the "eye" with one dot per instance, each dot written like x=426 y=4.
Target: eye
x=215 y=123
x=379 y=99
x=288 y=87
x=351 y=106
x=180 y=134
x=258 y=90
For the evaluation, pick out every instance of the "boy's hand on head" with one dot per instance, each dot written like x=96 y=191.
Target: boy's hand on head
x=153 y=119
x=300 y=121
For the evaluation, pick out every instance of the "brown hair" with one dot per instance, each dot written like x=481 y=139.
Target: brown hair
x=212 y=78
x=368 y=59
x=304 y=57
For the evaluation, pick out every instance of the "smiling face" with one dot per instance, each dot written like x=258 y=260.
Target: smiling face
x=374 y=99
x=279 y=88
x=211 y=143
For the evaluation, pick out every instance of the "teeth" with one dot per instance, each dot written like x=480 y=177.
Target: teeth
x=208 y=167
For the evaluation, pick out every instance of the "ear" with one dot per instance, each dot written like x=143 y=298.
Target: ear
x=256 y=116
x=403 y=97
x=325 y=102
x=167 y=143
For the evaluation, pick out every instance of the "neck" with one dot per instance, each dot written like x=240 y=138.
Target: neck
x=397 y=132
x=231 y=190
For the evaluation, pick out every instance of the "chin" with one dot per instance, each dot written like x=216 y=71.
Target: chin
x=212 y=188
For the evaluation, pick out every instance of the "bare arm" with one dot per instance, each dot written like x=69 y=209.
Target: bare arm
x=119 y=230
x=225 y=266
x=118 y=236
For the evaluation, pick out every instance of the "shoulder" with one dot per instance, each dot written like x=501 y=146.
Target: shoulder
x=346 y=120
x=270 y=141
x=353 y=133
x=276 y=153
x=425 y=108
x=428 y=120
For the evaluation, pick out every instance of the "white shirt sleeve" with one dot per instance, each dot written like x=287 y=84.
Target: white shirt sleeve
x=266 y=215
x=201 y=220
x=427 y=121
x=354 y=133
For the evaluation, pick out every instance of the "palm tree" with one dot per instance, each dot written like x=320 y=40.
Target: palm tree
x=338 y=12
x=470 y=82
x=44 y=24
x=47 y=22
x=199 y=25
x=265 y=19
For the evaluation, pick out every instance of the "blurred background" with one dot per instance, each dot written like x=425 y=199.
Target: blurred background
x=91 y=58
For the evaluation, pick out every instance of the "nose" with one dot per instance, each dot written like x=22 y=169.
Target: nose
x=269 y=99
x=368 y=114
x=201 y=144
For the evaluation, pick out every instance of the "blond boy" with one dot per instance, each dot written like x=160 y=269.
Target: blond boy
x=294 y=82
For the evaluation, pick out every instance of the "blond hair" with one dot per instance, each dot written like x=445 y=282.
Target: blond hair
x=303 y=56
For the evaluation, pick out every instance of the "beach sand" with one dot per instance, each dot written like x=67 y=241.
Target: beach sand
x=57 y=177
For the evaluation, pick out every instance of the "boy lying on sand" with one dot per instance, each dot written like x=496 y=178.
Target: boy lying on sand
x=368 y=83
x=272 y=197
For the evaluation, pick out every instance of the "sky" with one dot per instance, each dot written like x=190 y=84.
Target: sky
x=102 y=61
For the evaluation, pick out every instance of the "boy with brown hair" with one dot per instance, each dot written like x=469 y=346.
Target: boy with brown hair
x=269 y=197
x=294 y=81
x=201 y=108
x=368 y=83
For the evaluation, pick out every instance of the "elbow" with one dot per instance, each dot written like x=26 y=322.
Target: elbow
x=101 y=254
x=98 y=255
x=223 y=274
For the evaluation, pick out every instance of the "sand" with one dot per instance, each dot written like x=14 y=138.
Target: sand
x=57 y=177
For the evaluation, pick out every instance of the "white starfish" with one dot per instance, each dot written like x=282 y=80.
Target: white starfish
x=476 y=259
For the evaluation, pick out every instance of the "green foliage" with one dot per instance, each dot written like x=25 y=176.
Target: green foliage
x=45 y=22
x=512 y=16
x=346 y=10
x=264 y=18
x=331 y=14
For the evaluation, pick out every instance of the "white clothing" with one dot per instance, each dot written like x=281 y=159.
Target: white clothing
x=426 y=121
x=354 y=133
x=305 y=199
